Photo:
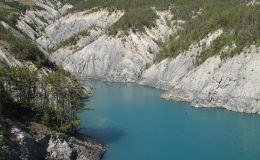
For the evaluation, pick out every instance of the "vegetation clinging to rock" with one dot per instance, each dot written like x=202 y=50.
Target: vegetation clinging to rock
x=24 y=49
x=240 y=22
x=73 y=39
x=80 y=5
x=56 y=97
x=239 y=19
x=9 y=11
x=138 y=13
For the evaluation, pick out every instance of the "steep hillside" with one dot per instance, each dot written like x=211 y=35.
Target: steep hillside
x=88 y=48
x=203 y=52
x=230 y=83
x=39 y=100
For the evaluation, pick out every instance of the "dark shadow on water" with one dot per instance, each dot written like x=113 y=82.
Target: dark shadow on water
x=104 y=135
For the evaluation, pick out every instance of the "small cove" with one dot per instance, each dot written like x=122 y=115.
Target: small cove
x=136 y=124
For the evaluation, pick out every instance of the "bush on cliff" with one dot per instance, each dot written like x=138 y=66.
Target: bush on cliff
x=56 y=97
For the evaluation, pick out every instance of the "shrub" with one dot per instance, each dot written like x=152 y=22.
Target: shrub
x=134 y=19
x=69 y=127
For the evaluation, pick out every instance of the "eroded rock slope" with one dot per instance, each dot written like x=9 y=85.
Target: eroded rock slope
x=89 y=51
x=80 y=44
x=230 y=83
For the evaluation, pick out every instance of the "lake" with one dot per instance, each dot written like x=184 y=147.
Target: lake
x=136 y=124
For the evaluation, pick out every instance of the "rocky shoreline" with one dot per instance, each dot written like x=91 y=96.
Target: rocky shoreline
x=36 y=141
x=231 y=84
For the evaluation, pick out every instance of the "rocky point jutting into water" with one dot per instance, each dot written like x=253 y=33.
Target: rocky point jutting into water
x=39 y=142
x=229 y=83
x=36 y=141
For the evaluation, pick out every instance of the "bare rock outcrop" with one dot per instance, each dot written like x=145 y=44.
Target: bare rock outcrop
x=39 y=142
x=230 y=83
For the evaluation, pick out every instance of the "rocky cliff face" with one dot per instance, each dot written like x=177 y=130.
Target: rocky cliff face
x=39 y=142
x=122 y=58
x=35 y=20
x=230 y=83
x=95 y=54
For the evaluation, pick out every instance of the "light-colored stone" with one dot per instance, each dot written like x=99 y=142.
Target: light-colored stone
x=231 y=83
x=8 y=59
x=37 y=141
x=120 y=58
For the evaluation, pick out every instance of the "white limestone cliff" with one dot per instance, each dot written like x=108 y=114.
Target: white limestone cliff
x=121 y=58
x=230 y=83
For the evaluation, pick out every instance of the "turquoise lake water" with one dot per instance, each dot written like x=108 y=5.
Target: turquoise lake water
x=136 y=124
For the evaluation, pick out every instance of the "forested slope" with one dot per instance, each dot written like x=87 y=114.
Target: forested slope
x=36 y=93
